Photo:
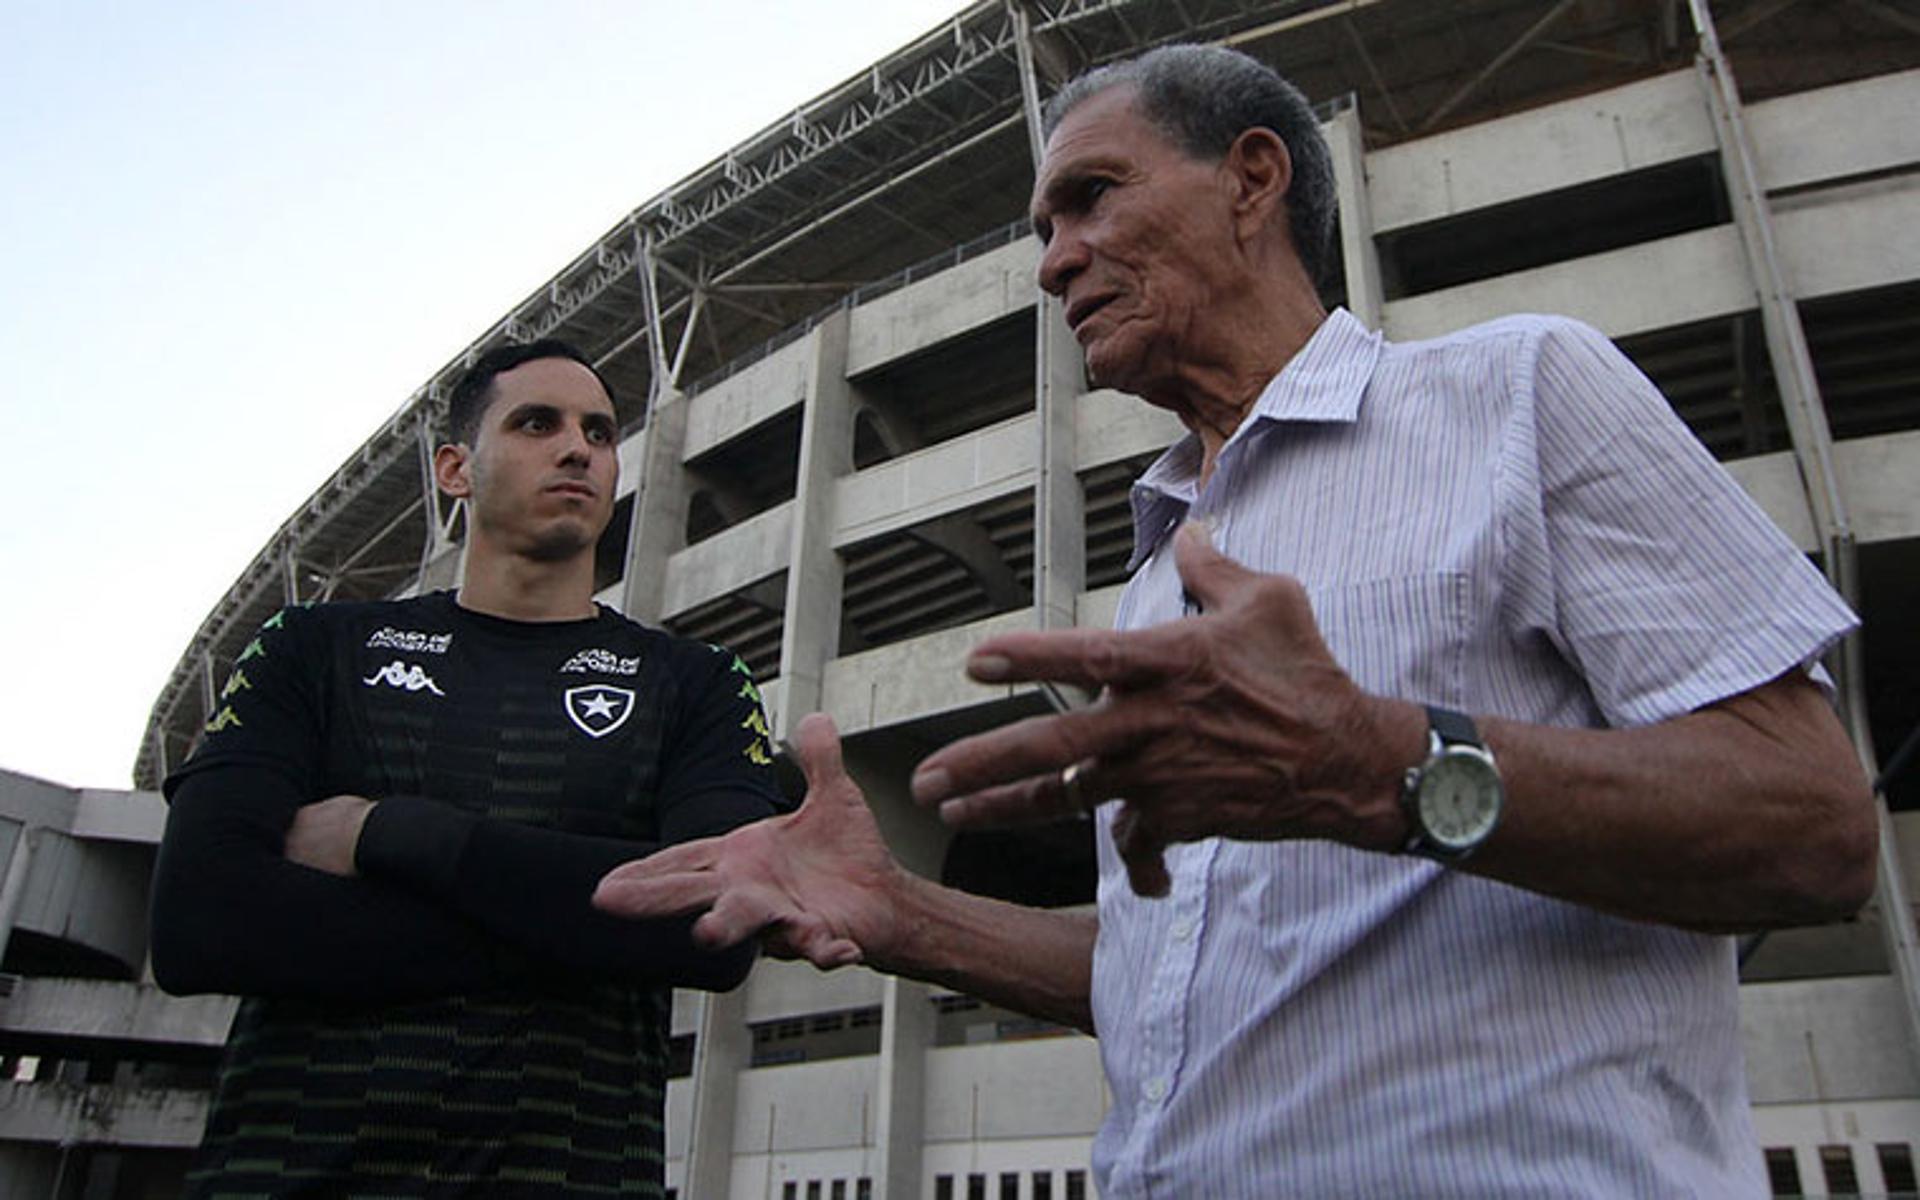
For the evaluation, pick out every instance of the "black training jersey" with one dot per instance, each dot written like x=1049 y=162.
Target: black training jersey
x=545 y=1075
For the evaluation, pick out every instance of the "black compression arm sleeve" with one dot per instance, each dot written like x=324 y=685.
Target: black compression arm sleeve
x=533 y=888
x=231 y=914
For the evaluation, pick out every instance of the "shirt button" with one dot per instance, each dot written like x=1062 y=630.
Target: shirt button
x=1156 y=1089
x=1183 y=929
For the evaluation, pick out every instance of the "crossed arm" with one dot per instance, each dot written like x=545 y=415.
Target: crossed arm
x=256 y=893
x=1750 y=813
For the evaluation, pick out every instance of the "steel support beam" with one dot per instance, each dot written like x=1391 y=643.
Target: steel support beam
x=1888 y=13
x=1373 y=73
x=686 y=336
x=290 y=577
x=646 y=272
x=890 y=182
x=1813 y=450
x=1753 y=17
x=1466 y=90
x=1029 y=84
x=1298 y=20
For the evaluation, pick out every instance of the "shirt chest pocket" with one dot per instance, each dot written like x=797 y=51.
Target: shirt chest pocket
x=1404 y=636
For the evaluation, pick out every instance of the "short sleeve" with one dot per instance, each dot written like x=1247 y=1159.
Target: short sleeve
x=270 y=712
x=1671 y=588
x=719 y=763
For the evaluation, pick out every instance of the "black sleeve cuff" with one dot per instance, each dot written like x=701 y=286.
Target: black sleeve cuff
x=413 y=842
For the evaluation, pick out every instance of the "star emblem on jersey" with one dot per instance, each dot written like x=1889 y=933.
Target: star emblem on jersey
x=599 y=708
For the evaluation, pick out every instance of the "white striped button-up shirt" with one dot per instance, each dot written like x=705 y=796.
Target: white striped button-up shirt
x=1508 y=521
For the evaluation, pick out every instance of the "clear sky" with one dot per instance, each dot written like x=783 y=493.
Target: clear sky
x=237 y=234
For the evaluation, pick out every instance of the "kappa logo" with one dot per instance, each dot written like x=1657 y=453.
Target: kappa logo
x=601 y=662
x=409 y=641
x=400 y=675
x=599 y=708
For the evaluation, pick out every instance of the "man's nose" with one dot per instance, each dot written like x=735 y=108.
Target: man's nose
x=575 y=446
x=1063 y=257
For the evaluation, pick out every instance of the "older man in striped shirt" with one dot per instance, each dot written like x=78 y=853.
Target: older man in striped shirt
x=1459 y=706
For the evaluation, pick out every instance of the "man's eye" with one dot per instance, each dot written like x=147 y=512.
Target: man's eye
x=600 y=435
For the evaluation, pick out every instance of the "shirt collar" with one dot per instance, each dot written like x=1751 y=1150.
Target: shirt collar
x=1323 y=383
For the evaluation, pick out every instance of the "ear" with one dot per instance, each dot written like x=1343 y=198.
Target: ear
x=1261 y=171
x=451 y=470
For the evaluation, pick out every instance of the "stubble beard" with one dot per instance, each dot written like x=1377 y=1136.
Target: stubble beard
x=559 y=542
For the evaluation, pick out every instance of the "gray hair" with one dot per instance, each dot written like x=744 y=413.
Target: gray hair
x=1203 y=97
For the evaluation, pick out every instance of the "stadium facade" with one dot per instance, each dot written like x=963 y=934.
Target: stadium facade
x=858 y=441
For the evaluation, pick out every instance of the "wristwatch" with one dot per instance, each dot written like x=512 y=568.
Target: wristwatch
x=1453 y=799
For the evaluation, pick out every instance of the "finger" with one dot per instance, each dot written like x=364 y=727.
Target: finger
x=1036 y=746
x=685 y=858
x=816 y=746
x=660 y=896
x=1040 y=800
x=1209 y=576
x=811 y=938
x=1143 y=853
x=1089 y=658
x=1216 y=581
x=737 y=914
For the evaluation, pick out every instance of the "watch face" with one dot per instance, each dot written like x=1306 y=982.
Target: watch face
x=1459 y=799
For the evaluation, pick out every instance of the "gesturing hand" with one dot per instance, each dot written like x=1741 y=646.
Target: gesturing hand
x=1236 y=723
x=814 y=884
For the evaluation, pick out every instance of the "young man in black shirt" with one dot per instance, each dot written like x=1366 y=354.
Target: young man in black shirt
x=389 y=835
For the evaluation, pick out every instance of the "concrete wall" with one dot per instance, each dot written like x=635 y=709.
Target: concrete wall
x=941 y=479
x=755 y=395
x=978 y=292
x=1825 y=1039
x=735 y=558
x=101 y=1114
x=1543 y=149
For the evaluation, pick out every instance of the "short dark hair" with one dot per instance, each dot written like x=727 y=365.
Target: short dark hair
x=474 y=391
x=1203 y=97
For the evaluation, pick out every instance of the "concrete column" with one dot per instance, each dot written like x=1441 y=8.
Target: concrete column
x=723 y=1047
x=1059 y=504
x=445 y=570
x=919 y=843
x=880 y=767
x=810 y=637
x=661 y=496
x=1364 y=292
x=906 y=1031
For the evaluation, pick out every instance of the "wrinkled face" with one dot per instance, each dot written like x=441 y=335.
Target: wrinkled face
x=1137 y=238
x=541 y=472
